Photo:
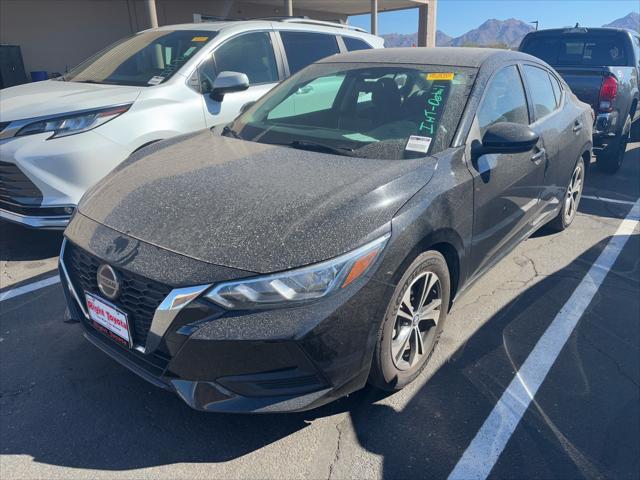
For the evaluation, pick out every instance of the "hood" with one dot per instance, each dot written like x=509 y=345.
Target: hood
x=251 y=206
x=52 y=97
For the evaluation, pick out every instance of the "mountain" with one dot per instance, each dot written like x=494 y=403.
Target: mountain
x=494 y=32
x=400 y=39
x=497 y=33
x=631 y=21
x=505 y=33
x=442 y=39
x=411 y=39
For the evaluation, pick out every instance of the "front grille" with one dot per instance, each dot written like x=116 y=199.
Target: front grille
x=139 y=297
x=16 y=188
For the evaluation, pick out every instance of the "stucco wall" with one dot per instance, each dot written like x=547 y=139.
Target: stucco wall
x=55 y=35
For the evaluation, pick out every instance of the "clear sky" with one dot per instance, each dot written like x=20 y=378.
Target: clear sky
x=456 y=17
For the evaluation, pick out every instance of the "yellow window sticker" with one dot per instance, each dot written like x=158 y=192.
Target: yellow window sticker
x=440 y=76
x=199 y=39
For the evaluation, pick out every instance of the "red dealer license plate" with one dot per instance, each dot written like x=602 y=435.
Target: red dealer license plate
x=109 y=320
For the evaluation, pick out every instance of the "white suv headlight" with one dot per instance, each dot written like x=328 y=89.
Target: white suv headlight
x=298 y=285
x=71 y=124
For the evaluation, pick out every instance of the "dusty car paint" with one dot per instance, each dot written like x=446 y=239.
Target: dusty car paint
x=202 y=209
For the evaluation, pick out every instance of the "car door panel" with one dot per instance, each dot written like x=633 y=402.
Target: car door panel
x=556 y=128
x=506 y=199
x=506 y=186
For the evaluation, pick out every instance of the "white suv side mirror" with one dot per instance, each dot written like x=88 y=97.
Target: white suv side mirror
x=228 y=82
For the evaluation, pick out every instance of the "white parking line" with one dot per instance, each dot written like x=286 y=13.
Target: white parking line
x=482 y=453
x=30 y=287
x=610 y=200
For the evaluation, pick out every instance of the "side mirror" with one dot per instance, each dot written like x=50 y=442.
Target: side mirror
x=507 y=137
x=228 y=82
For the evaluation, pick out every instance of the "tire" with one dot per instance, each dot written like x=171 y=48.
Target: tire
x=610 y=159
x=389 y=373
x=572 y=197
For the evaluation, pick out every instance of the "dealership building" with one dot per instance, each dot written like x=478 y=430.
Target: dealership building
x=55 y=35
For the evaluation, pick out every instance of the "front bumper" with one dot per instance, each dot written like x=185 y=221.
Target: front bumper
x=42 y=180
x=253 y=362
x=43 y=222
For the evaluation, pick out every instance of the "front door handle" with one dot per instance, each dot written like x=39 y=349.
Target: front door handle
x=577 y=126
x=537 y=158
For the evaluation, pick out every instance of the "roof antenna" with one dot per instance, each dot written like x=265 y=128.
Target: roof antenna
x=577 y=25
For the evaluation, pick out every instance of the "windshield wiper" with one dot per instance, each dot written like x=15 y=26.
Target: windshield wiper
x=90 y=81
x=320 y=147
x=228 y=132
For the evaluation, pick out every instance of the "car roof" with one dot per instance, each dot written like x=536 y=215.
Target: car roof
x=447 y=56
x=257 y=24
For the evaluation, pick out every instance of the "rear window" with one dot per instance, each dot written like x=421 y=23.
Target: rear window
x=353 y=44
x=303 y=48
x=580 y=49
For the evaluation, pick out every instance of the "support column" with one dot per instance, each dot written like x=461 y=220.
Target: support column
x=288 y=7
x=427 y=24
x=374 y=17
x=153 y=15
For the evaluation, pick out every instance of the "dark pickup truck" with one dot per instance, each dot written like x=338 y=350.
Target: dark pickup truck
x=601 y=65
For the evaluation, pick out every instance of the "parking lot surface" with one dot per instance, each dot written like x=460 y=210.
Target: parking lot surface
x=68 y=411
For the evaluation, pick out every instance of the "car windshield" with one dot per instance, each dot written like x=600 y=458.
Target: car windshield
x=579 y=49
x=364 y=110
x=146 y=59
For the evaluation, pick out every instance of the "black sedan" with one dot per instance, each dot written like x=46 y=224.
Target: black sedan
x=318 y=242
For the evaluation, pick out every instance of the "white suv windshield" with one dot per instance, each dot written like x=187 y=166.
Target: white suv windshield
x=363 y=110
x=146 y=59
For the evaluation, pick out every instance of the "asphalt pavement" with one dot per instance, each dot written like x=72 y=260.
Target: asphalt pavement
x=68 y=411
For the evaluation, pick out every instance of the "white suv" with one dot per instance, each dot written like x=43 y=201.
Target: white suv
x=59 y=137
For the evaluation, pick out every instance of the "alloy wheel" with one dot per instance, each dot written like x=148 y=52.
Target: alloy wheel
x=416 y=321
x=574 y=192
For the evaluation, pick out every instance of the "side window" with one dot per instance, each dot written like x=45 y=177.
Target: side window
x=504 y=100
x=303 y=48
x=353 y=44
x=251 y=54
x=557 y=90
x=315 y=96
x=544 y=100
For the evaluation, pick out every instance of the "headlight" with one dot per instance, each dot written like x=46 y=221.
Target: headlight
x=73 y=123
x=298 y=285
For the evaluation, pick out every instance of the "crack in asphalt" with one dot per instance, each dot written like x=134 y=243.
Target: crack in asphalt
x=336 y=456
x=533 y=266
x=613 y=360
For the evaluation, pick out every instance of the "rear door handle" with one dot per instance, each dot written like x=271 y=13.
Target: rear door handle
x=537 y=158
x=577 y=126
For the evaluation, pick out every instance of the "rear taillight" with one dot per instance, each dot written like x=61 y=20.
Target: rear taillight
x=608 y=91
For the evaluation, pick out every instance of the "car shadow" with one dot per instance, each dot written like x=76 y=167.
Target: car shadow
x=429 y=435
x=623 y=185
x=66 y=404
x=18 y=243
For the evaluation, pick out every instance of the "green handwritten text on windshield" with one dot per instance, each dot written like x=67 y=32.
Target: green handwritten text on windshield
x=434 y=107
